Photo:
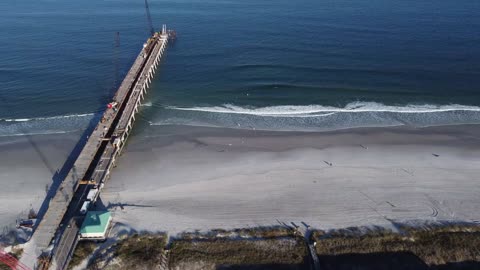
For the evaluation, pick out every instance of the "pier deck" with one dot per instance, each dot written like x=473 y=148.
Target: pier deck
x=96 y=159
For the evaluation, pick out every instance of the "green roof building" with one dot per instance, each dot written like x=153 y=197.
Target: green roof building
x=96 y=225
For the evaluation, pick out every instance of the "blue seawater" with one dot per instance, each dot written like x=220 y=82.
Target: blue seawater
x=274 y=65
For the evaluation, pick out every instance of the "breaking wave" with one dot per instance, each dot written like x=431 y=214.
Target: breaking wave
x=45 y=125
x=46 y=118
x=281 y=118
x=319 y=117
x=315 y=109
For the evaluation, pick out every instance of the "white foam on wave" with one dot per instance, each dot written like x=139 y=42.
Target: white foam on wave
x=320 y=110
x=17 y=120
x=47 y=118
x=44 y=125
x=35 y=133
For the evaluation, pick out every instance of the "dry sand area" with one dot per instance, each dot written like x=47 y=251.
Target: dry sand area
x=181 y=178
x=27 y=167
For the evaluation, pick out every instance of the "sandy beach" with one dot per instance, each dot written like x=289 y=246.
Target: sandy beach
x=179 y=178
x=183 y=178
x=27 y=167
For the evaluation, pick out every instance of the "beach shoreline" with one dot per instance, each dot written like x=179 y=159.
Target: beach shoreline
x=180 y=178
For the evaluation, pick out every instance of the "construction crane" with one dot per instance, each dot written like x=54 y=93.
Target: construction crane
x=116 y=63
x=149 y=18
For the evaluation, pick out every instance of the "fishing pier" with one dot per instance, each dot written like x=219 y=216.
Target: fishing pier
x=57 y=234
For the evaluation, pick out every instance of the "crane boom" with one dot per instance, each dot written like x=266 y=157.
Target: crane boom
x=149 y=18
x=116 y=62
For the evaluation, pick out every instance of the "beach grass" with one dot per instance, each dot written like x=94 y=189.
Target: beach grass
x=250 y=233
x=285 y=251
x=434 y=245
x=213 y=249
x=144 y=249
x=259 y=246
x=83 y=250
x=4 y=266
x=270 y=248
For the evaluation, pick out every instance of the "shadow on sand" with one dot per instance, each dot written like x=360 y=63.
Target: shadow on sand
x=371 y=261
x=386 y=260
x=61 y=174
x=263 y=267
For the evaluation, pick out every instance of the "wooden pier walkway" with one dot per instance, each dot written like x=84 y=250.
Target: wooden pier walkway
x=55 y=234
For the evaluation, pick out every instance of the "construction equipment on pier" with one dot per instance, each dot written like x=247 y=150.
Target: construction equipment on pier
x=116 y=63
x=170 y=33
x=57 y=234
x=149 y=19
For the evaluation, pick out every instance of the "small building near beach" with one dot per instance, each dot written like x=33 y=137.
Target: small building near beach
x=96 y=225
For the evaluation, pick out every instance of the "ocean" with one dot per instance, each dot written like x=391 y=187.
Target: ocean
x=304 y=65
